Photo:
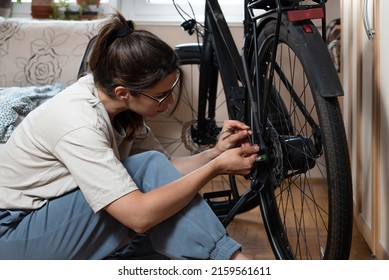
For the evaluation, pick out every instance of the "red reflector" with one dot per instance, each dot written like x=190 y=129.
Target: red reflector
x=307 y=28
x=298 y=15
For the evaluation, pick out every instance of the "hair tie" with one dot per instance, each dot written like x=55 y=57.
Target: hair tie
x=125 y=31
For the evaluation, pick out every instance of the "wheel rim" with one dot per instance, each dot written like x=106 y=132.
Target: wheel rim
x=295 y=203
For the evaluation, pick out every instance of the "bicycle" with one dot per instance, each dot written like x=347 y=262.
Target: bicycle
x=284 y=85
x=333 y=41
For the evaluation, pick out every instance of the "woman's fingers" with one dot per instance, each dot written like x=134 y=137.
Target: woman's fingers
x=239 y=161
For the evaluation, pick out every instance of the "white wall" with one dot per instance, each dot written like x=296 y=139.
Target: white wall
x=384 y=135
x=365 y=63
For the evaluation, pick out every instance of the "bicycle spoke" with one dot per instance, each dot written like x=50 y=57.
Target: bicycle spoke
x=296 y=202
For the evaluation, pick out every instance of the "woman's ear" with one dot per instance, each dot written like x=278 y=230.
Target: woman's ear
x=122 y=93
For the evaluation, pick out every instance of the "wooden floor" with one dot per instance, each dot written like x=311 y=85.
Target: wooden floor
x=250 y=232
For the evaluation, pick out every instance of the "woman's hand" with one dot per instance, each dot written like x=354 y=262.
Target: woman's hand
x=236 y=154
x=237 y=161
x=233 y=134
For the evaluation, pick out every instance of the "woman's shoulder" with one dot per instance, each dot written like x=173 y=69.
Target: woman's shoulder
x=74 y=107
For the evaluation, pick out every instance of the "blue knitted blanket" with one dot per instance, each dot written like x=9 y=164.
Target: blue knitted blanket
x=19 y=101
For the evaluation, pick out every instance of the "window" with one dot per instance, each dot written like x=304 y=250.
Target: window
x=153 y=11
x=24 y=9
x=163 y=11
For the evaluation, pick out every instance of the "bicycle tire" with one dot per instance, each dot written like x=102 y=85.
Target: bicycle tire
x=223 y=192
x=306 y=204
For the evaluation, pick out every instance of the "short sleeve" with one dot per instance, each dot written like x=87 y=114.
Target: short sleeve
x=90 y=159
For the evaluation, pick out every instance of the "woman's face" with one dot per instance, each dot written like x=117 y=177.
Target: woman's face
x=156 y=99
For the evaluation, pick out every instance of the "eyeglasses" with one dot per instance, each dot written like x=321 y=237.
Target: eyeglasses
x=164 y=94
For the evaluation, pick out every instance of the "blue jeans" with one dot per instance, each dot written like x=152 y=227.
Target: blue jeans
x=67 y=228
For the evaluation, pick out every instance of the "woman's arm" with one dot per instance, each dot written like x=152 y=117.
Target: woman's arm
x=141 y=211
x=233 y=134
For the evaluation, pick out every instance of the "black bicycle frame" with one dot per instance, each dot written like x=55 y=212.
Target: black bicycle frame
x=233 y=67
x=227 y=55
x=234 y=76
x=234 y=71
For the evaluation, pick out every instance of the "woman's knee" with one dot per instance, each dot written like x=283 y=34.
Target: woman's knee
x=145 y=158
x=150 y=170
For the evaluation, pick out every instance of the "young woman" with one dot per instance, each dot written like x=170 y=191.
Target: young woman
x=83 y=175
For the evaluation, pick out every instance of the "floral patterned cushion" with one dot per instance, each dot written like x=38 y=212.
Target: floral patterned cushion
x=42 y=52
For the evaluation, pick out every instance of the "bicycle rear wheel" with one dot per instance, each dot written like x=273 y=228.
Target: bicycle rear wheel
x=306 y=203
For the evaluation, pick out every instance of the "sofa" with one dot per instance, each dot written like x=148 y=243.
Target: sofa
x=38 y=58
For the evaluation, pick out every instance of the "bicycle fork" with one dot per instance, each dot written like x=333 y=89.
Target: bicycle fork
x=206 y=130
x=259 y=175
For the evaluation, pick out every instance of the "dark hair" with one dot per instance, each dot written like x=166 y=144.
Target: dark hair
x=135 y=59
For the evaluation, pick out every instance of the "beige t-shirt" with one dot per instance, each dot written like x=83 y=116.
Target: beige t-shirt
x=65 y=143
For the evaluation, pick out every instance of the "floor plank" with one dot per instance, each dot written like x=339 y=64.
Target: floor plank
x=248 y=229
